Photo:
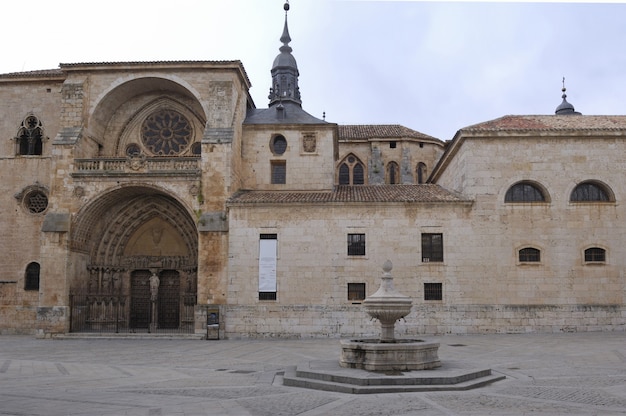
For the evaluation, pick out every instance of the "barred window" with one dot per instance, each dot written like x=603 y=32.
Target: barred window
x=356 y=244
x=279 y=172
x=590 y=192
x=356 y=292
x=524 y=192
x=529 y=255
x=433 y=291
x=432 y=247
x=595 y=254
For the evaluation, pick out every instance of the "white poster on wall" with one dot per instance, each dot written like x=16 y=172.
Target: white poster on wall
x=267 y=265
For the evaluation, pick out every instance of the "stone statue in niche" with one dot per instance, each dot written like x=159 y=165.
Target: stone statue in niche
x=106 y=281
x=157 y=233
x=117 y=281
x=154 y=287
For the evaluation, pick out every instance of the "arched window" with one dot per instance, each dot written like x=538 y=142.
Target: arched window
x=529 y=255
x=421 y=172
x=358 y=174
x=30 y=136
x=344 y=174
x=524 y=192
x=351 y=171
x=595 y=254
x=590 y=192
x=31 y=278
x=393 y=173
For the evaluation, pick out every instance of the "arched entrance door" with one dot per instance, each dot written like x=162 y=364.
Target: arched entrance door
x=133 y=235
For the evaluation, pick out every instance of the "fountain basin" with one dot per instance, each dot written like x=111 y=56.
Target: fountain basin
x=396 y=355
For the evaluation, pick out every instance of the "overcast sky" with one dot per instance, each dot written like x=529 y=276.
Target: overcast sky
x=432 y=66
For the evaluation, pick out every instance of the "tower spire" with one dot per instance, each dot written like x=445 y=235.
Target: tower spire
x=285 y=71
x=565 y=108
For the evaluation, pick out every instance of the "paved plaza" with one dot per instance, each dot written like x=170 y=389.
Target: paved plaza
x=574 y=374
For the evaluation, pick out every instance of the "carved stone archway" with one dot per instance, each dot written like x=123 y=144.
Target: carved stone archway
x=123 y=239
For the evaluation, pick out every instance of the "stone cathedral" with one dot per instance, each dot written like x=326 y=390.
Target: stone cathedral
x=156 y=197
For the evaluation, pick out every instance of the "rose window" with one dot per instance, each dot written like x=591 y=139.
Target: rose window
x=166 y=133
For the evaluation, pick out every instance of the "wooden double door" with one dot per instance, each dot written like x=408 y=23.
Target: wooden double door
x=167 y=304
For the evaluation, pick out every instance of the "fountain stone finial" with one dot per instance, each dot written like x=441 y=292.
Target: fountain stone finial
x=387 y=305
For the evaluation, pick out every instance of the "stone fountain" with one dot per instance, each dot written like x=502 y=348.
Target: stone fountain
x=388 y=353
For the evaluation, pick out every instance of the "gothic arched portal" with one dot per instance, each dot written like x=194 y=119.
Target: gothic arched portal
x=137 y=248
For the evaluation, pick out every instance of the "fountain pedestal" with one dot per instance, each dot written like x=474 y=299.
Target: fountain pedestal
x=388 y=353
x=402 y=355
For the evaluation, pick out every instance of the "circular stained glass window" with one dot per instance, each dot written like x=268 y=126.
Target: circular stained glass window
x=279 y=145
x=166 y=133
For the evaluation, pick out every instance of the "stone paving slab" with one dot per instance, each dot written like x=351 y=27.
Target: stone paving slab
x=546 y=374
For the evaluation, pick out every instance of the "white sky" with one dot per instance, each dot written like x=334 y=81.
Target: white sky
x=432 y=66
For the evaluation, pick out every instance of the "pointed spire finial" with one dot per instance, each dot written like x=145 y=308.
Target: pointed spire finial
x=285 y=70
x=285 y=38
x=565 y=107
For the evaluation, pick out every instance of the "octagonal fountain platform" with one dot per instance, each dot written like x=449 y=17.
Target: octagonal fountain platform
x=387 y=364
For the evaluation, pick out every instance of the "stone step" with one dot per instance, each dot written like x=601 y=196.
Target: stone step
x=351 y=381
x=92 y=335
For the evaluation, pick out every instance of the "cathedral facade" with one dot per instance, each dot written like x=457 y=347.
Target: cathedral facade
x=156 y=197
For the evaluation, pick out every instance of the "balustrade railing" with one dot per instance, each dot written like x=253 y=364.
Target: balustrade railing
x=137 y=165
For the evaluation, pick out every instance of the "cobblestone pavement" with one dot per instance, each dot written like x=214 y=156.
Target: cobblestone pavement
x=573 y=374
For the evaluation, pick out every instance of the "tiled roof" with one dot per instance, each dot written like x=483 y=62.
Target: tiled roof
x=43 y=73
x=292 y=113
x=64 y=67
x=426 y=193
x=550 y=122
x=379 y=131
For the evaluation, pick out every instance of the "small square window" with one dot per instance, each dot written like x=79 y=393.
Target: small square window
x=356 y=244
x=279 y=172
x=392 y=145
x=356 y=292
x=433 y=291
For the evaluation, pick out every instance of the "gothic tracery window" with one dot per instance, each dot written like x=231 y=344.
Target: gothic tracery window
x=351 y=171
x=166 y=133
x=30 y=136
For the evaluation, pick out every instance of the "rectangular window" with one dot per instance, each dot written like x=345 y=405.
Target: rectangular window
x=433 y=291
x=356 y=292
x=268 y=244
x=356 y=244
x=432 y=248
x=529 y=255
x=279 y=172
x=595 y=254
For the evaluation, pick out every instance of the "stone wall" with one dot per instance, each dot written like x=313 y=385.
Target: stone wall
x=316 y=321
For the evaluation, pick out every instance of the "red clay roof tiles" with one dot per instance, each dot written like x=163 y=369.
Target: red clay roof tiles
x=425 y=193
